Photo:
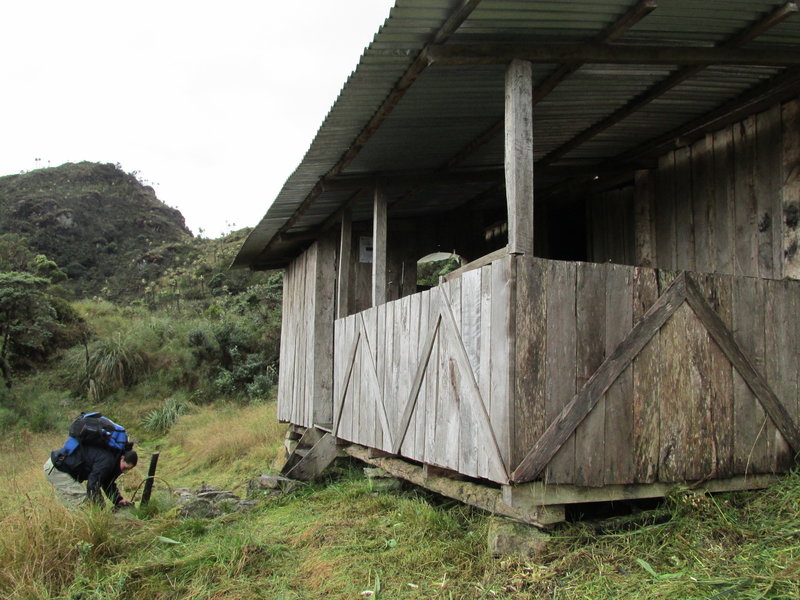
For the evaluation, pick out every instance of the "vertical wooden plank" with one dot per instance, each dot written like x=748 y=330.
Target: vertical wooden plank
x=590 y=301
x=419 y=411
x=338 y=378
x=408 y=344
x=379 y=247
x=531 y=331
x=451 y=404
x=702 y=204
x=793 y=326
x=790 y=189
x=750 y=444
x=684 y=223
x=324 y=316
x=768 y=166
x=392 y=374
x=665 y=212
x=724 y=200
x=719 y=394
x=395 y=357
x=502 y=363
x=618 y=464
x=485 y=382
x=471 y=431
x=348 y=407
x=599 y=229
x=283 y=370
x=299 y=356
x=309 y=314
x=628 y=225
x=644 y=230
x=561 y=356
x=471 y=318
x=746 y=206
x=699 y=455
x=613 y=232
x=415 y=302
x=345 y=267
x=780 y=367
x=432 y=381
x=291 y=334
x=621 y=241
x=646 y=396
x=369 y=420
x=677 y=393
x=381 y=367
x=519 y=156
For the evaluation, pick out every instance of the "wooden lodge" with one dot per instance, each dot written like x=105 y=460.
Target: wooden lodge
x=622 y=181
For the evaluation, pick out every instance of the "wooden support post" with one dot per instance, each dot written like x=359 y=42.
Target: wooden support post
x=379 y=234
x=151 y=473
x=519 y=156
x=345 y=265
x=324 y=316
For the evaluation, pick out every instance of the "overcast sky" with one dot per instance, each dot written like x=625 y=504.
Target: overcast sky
x=214 y=104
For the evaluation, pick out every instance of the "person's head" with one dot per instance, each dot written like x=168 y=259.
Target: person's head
x=128 y=460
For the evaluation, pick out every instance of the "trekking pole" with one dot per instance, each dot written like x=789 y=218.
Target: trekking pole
x=151 y=473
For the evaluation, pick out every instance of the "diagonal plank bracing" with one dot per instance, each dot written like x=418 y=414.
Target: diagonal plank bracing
x=683 y=289
x=474 y=400
x=373 y=371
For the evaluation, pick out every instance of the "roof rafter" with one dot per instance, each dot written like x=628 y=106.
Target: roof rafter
x=450 y=25
x=782 y=87
x=630 y=18
x=679 y=76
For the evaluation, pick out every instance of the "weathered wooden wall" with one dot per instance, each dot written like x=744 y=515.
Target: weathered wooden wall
x=680 y=409
x=472 y=375
x=729 y=203
x=305 y=375
x=612 y=233
x=429 y=376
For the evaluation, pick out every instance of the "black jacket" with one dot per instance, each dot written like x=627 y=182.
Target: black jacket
x=98 y=467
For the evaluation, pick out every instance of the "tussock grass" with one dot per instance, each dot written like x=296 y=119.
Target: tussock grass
x=338 y=538
x=161 y=419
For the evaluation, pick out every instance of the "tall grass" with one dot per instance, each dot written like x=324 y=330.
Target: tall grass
x=338 y=538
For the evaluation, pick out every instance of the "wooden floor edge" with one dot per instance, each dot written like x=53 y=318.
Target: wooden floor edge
x=538 y=503
x=480 y=496
x=539 y=493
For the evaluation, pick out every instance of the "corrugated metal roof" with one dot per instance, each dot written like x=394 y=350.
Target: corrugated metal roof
x=448 y=107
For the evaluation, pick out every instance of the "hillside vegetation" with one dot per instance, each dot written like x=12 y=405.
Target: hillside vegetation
x=186 y=358
x=104 y=228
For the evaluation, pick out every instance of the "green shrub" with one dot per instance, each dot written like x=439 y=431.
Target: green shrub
x=113 y=364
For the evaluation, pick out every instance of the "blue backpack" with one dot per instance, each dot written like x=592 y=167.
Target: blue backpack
x=93 y=429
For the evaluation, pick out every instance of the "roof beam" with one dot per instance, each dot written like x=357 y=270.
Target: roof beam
x=630 y=18
x=593 y=53
x=662 y=87
x=780 y=88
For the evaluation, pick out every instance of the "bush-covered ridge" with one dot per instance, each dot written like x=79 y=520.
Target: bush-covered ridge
x=102 y=226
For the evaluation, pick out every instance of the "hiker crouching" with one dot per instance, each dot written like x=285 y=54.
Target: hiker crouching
x=99 y=467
